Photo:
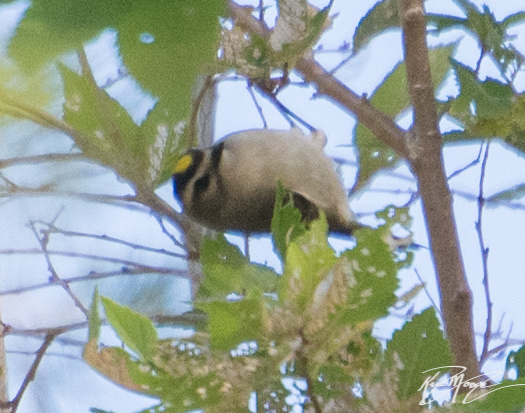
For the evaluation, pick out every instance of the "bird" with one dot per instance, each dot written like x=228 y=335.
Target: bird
x=231 y=185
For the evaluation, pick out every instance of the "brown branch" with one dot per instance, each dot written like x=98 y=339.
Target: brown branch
x=427 y=163
x=383 y=127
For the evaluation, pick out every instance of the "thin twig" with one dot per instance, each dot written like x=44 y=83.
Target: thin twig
x=43 y=239
x=287 y=113
x=257 y=106
x=53 y=229
x=30 y=376
x=484 y=256
x=470 y=165
x=51 y=157
x=186 y=319
x=93 y=275
x=428 y=293
x=165 y=231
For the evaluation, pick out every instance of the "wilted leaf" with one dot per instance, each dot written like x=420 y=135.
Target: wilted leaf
x=113 y=363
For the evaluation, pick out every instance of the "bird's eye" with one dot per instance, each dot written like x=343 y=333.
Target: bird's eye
x=202 y=183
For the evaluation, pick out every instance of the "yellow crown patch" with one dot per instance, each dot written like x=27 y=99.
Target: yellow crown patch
x=183 y=164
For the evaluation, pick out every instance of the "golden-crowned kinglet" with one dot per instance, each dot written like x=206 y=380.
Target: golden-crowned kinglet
x=232 y=184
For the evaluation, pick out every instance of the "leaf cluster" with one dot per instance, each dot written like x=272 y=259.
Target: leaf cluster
x=483 y=108
x=311 y=325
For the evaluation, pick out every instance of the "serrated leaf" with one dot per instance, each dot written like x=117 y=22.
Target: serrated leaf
x=392 y=98
x=178 y=38
x=419 y=346
x=228 y=271
x=94 y=321
x=134 y=329
x=383 y=16
x=234 y=322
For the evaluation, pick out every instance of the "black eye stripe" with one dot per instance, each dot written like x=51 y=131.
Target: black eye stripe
x=201 y=185
x=181 y=181
x=216 y=155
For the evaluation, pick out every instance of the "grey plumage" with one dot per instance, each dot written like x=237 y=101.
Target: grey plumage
x=231 y=185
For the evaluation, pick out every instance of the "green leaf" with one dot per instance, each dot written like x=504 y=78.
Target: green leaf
x=516 y=361
x=499 y=112
x=515 y=192
x=53 y=27
x=492 y=98
x=234 y=322
x=227 y=271
x=482 y=24
x=505 y=397
x=135 y=330
x=287 y=222
x=392 y=98
x=309 y=259
x=418 y=346
x=165 y=44
x=165 y=139
x=105 y=131
x=373 y=279
x=383 y=16
x=94 y=321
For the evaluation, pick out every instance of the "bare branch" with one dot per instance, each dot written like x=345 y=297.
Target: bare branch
x=44 y=241
x=426 y=160
x=484 y=258
x=52 y=229
x=13 y=405
x=257 y=106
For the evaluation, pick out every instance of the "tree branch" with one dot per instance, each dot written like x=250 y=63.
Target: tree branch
x=383 y=127
x=484 y=259
x=426 y=160
x=30 y=376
